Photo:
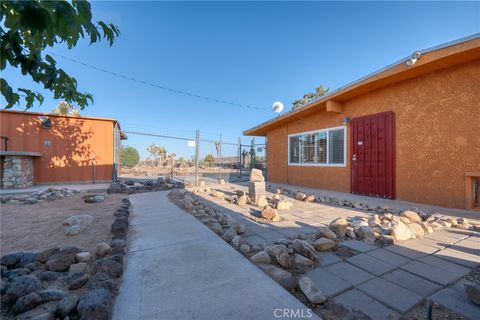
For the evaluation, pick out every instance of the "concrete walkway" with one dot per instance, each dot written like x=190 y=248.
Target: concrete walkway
x=178 y=269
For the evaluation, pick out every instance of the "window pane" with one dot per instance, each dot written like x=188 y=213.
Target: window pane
x=321 y=144
x=335 y=145
x=308 y=148
x=294 y=149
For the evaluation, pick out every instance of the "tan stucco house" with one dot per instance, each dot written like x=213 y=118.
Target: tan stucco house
x=410 y=131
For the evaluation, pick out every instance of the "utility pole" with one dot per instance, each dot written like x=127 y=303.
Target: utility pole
x=197 y=152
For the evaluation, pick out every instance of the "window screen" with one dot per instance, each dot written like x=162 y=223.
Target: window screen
x=336 y=146
x=322 y=147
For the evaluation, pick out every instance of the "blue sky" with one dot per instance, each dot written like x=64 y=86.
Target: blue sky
x=252 y=53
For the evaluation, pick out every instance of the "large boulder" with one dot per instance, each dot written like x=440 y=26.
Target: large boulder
x=62 y=260
x=305 y=249
x=284 y=278
x=21 y=286
x=339 y=227
x=311 y=291
x=280 y=254
x=95 y=305
x=401 y=232
x=417 y=230
x=411 y=215
x=256 y=175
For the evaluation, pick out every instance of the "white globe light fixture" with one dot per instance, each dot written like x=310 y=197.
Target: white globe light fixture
x=277 y=107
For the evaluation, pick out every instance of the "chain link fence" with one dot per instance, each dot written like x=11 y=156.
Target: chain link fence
x=188 y=156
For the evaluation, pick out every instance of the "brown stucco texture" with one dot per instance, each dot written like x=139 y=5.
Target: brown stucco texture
x=437 y=137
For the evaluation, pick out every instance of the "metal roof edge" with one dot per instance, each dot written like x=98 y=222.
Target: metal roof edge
x=370 y=75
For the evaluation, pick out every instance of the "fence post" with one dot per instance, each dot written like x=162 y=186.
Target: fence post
x=252 y=154
x=197 y=152
x=239 y=157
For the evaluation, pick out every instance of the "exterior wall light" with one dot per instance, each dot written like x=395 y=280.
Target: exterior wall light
x=415 y=56
x=345 y=120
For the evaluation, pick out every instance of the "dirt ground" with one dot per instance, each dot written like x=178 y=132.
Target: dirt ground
x=39 y=226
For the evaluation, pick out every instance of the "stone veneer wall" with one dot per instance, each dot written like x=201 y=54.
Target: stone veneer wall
x=17 y=172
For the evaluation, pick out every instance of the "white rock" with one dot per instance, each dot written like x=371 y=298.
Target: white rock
x=411 y=215
x=83 y=256
x=102 y=249
x=401 y=232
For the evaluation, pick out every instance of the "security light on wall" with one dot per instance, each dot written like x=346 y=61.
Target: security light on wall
x=415 y=56
x=345 y=120
x=277 y=107
x=45 y=122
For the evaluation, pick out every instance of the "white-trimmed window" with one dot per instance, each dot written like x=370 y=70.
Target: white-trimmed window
x=325 y=147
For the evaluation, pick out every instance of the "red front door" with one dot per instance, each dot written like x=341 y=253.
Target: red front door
x=373 y=155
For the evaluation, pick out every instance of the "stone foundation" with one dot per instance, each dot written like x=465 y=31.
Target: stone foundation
x=17 y=172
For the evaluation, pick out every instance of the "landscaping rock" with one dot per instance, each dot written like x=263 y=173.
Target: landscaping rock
x=66 y=306
x=102 y=249
x=62 y=260
x=300 y=196
x=110 y=267
x=280 y=254
x=261 y=201
x=270 y=214
x=216 y=227
x=256 y=175
x=26 y=259
x=21 y=286
x=11 y=274
x=350 y=233
x=325 y=232
x=43 y=256
x=229 y=234
x=95 y=305
x=284 y=278
x=117 y=187
x=83 y=257
x=411 y=215
x=218 y=194
x=94 y=198
x=417 y=230
x=244 y=248
x=27 y=302
x=309 y=198
x=283 y=205
x=76 y=280
x=261 y=257
x=11 y=259
x=102 y=280
x=119 y=227
x=386 y=240
x=51 y=295
x=78 y=267
x=401 y=232
x=313 y=294
x=303 y=261
x=48 y=275
x=366 y=233
x=82 y=220
x=242 y=200
x=236 y=241
x=305 y=249
x=473 y=292
x=323 y=244
x=339 y=227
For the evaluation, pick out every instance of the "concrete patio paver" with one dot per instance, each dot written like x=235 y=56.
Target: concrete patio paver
x=389 y=257
x=360 y=301
x=177 y=268
x=458 y=302
x=412 y=282
x=390 y=294
x=432 y=273
x=330 y=284
x=327 y=258
x=371 y=264
x=358 y=245
x=349 y=273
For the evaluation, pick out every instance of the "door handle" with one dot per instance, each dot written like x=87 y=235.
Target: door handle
x=354 y=157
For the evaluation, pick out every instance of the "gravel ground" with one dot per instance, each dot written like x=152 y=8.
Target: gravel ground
x=39 y=226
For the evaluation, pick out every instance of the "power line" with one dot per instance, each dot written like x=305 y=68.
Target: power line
x=193 y=95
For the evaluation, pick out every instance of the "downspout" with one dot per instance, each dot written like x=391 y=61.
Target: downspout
x=115 y=146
